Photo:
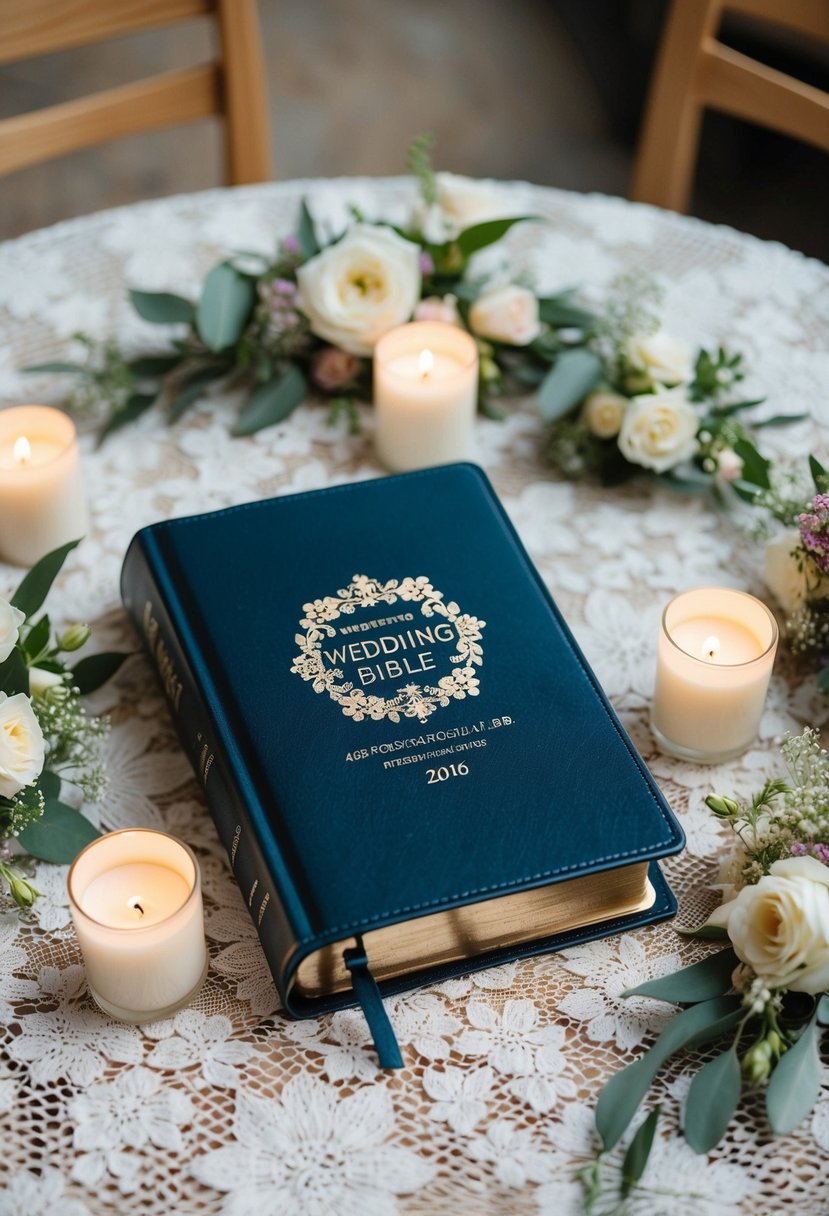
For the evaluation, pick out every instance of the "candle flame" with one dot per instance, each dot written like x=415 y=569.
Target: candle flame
x=135 y=904
x=425 y=363
x=711 y=648
x=22 y=450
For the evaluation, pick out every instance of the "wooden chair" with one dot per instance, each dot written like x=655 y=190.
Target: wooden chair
x=233 y=87
x=695 y=71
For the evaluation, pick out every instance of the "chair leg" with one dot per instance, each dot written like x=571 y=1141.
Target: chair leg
x=248 y=150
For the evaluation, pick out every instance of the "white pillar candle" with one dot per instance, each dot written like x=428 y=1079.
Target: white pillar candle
x=42 y=504
x=136 y=903
x=425 y=395
x=716 y=652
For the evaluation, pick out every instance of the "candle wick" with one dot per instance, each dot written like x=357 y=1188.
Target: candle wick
x=135 y=903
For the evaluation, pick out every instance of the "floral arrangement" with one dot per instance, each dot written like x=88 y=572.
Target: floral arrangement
x=795 y=529
x=46 y=737
x=767 y=993
x=621 y=394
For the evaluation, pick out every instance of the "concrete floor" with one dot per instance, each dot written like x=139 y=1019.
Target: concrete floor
x=501 y=85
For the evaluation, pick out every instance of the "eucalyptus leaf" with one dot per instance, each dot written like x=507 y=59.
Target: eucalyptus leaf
x=224 y=307
x=755 y=467
x=306 y=233
x=49 y=784
x=31 y=593
x=136 y=405
x=37 y=637
x=712 y=1100
x=823 y=1010
x=93 y=671
x=699 y=982
x=725 y=411
x=574 y=374
x=690 y=481
x=795 y=1083
x=620 y=1098
x=639 y=1150
x=14 y=674
x=714 y=932
x=162 y=307
x=559 y=312
x=150 y=366
x=57 y=365
x=479 y=236
x=819 y=475
x=59 y=835
x=272 y=402
x=192 y=390
x=779 y=420
x=745 y=490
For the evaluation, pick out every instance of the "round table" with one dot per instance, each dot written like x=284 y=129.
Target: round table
x=228 y=1106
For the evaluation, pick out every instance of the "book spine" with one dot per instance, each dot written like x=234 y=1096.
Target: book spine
x=152 y=617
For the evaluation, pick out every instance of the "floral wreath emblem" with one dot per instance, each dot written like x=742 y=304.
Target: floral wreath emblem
x=411 y=700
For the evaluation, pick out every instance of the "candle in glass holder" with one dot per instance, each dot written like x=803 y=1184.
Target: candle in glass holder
x=136 y=903
x=425 y=395
x=716 y=652
x=42 y=504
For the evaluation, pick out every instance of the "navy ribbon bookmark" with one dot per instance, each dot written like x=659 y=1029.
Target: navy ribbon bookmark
x=371 y=1003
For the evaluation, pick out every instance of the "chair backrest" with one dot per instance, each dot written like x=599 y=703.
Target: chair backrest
x=233 y=87
x=695 y=71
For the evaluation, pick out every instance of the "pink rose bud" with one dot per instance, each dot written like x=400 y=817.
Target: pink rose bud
x=332 y=368
x=427 y=266
x=291 y=244
x=433 y=308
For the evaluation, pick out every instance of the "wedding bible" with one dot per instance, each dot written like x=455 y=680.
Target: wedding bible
x=410 y=763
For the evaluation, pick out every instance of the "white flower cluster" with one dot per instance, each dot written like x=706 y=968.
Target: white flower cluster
x=22 y=747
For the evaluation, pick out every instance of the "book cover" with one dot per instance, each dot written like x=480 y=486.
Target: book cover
x=403 y=749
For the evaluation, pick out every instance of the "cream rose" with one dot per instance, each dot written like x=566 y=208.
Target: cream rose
x=10 y=621
x=507 y=314
x=355 y=291
x=780 y=926
x=461 y=202
x=789 y=574
x=659 y=430
x=21 y=744
x=661 y=358
x=602 y=413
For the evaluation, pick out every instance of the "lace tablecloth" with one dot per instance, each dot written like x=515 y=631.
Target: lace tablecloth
x=229 y=1107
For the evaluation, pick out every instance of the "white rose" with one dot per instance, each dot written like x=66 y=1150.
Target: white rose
x=438 y=308
x=729 y=465
x=21 y=744
x=660 y=357
x=461 y=202
x=10 y=621
x=790 y=574
x=602 y=413
x=355 y=291
x=659 y=430
x=507 y=314
x=780 y=926
x=40 y=680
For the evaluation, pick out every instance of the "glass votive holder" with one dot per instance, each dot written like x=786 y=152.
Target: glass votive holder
x=716 y=652
x=136 y=903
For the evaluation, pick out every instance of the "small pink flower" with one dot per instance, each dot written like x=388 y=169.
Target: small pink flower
x=332 y=368
x=427 y=266
x=814 y=531
x=433 y=308
x=291 y=243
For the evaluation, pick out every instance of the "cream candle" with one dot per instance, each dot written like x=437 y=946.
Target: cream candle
x=425 y=395
x=42 y=502
x=136 y=903
x=716 y=652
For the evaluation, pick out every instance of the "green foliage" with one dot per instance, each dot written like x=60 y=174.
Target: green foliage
x=273 y=402
x=306 y=233
x=191 y=388
x=20 y=889
x=712 y=1100
x=90 y=673
x=31 y=593
x=480 y=236
x=700 y=982
x=795 y=1083
x=574 y=374
x=344 y=407
x=14 y=674
x=132 y=409
x=419 y=164
x=224 y=307
x=59 y=834
x=560 y=312
x=819 y=476
x=715 y=375
x=639 y=1150
x=162 y=307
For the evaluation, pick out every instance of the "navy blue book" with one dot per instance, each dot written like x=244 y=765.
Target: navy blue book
x=410 y=763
